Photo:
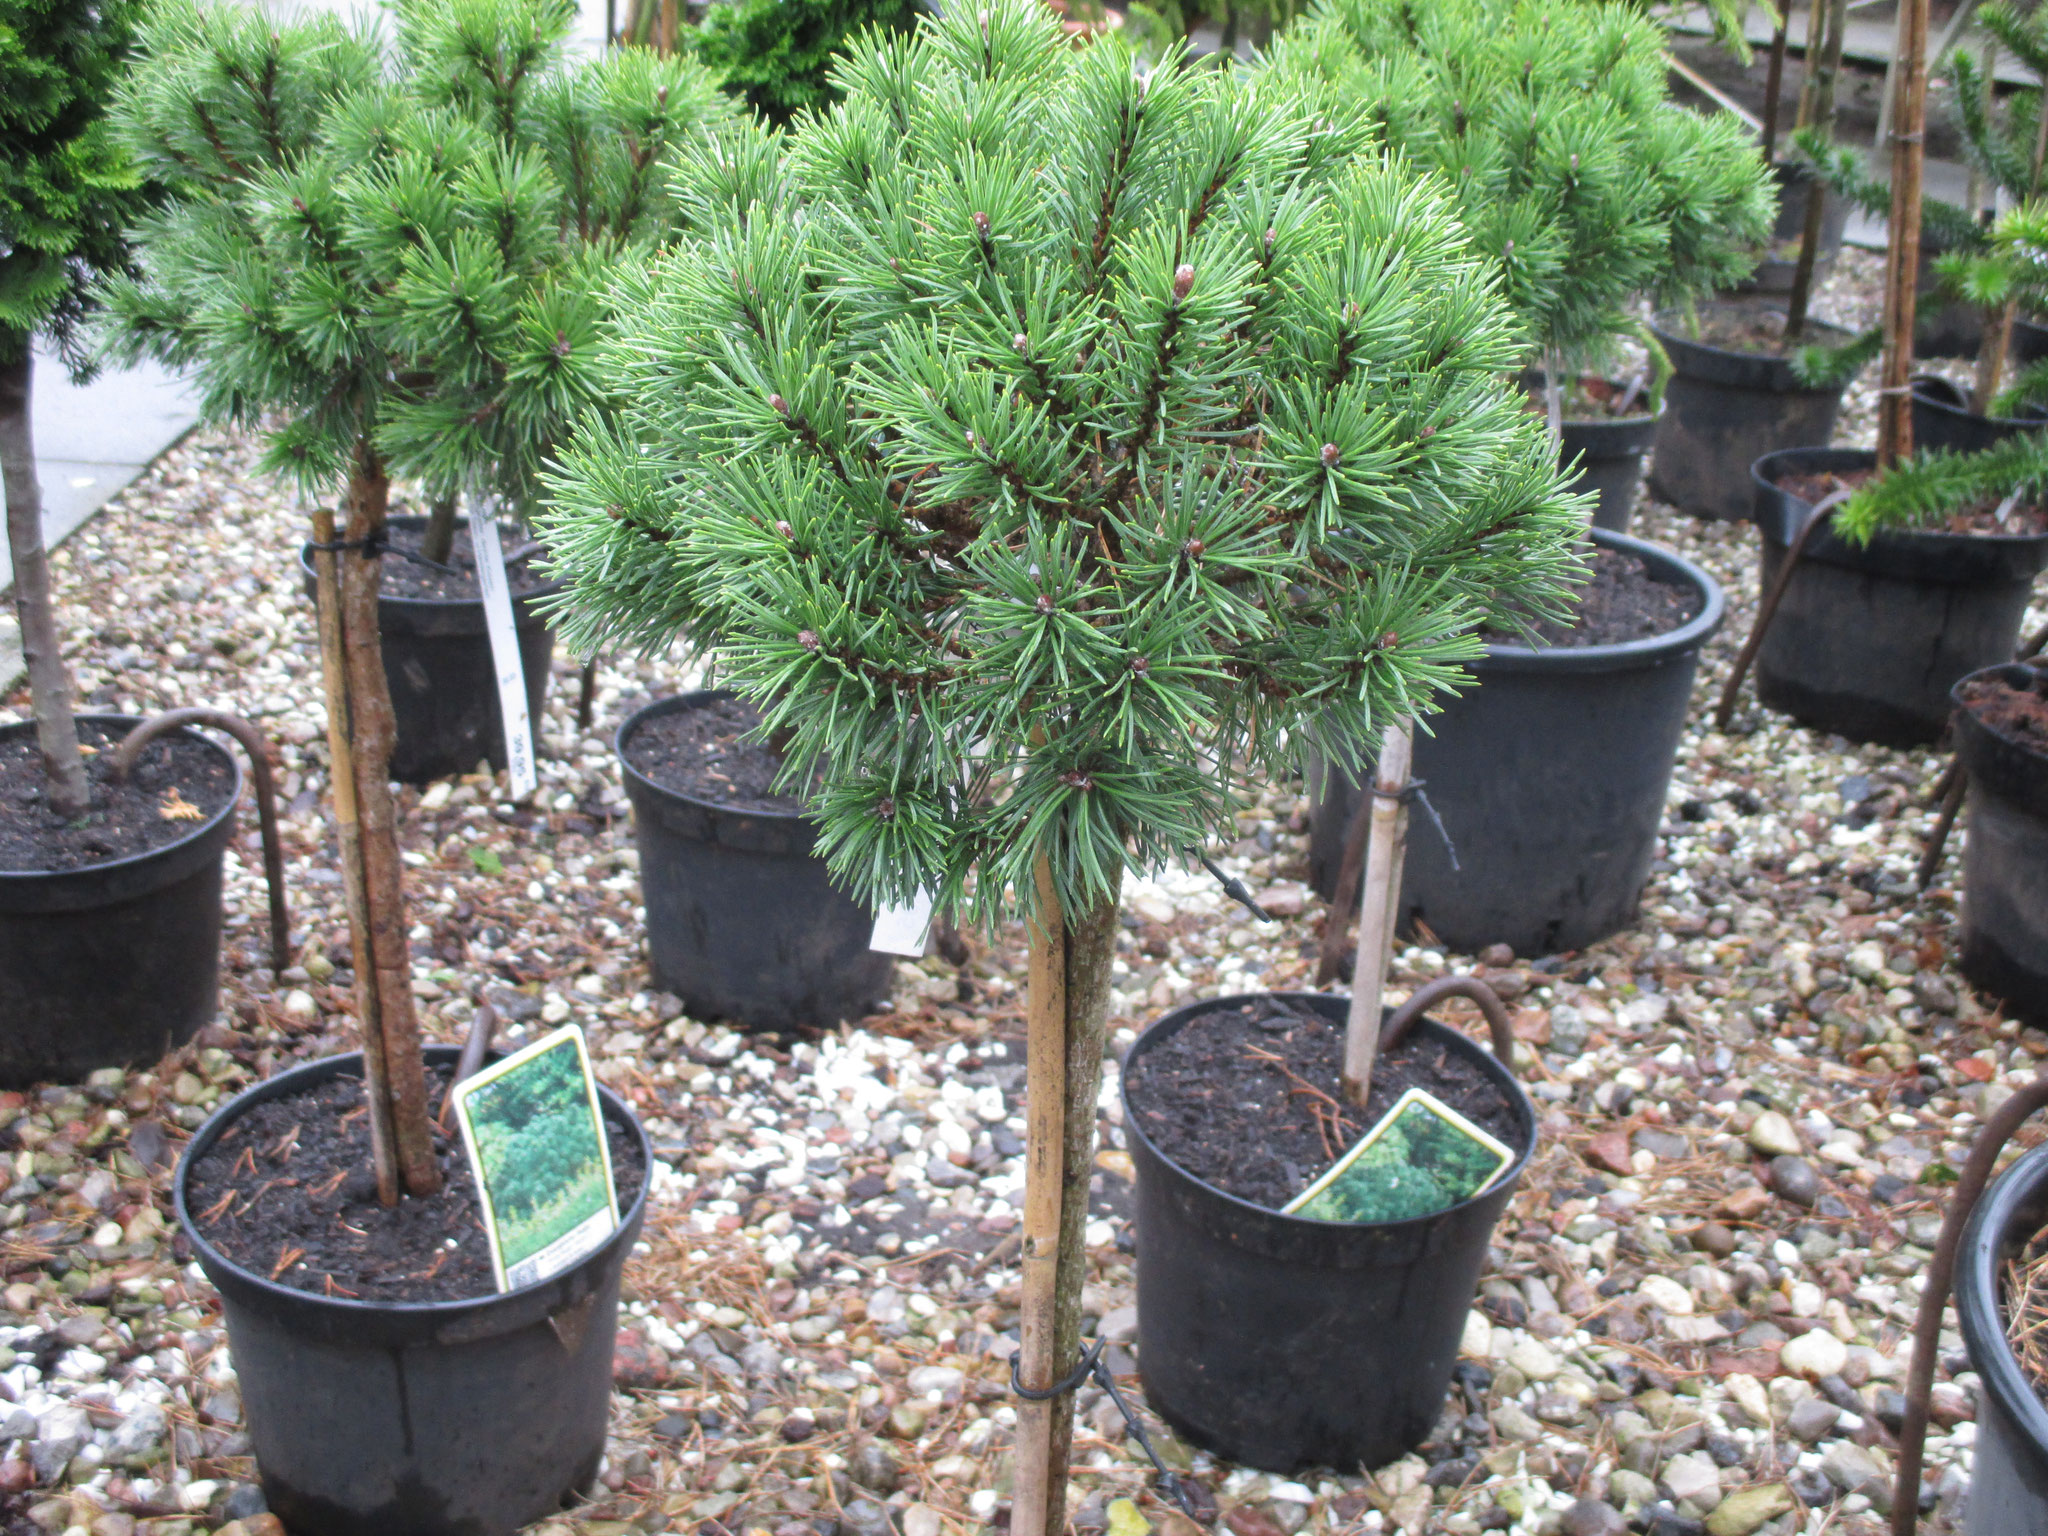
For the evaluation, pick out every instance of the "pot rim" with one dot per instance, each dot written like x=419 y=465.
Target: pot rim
x=547 y=588
x=1186 y=1012
x=1654 y=648
x=2038 y=667
x=349 y=1064
x=674 y=703
x=1534 y=378
x=1933 y=399
x=1899 y=536
x=1983 y=1243
x=24 y=878
x=1668 y=326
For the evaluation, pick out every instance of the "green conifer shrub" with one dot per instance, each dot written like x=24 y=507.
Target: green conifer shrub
x=777 y=54
x=1043 y=449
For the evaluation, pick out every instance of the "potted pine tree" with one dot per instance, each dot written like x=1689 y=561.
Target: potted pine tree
x=110 y=892
x=1038 y=447
x=1587 y=186
x=379 y=253
x=1572 y=170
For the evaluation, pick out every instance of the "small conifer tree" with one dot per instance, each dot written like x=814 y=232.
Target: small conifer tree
x=67 y=193
x=1569 y=163
x=777 y=54
x=1043 y=447
x=386 y=258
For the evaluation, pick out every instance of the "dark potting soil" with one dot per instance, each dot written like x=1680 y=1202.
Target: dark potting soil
x=400 y=577
x=1234 y=1097
x=704 y=753
x=2018 y=714
x=287 y=1192
x=1755 y=329
x=177 y=785
x=1622 y=601
x=2021 y=522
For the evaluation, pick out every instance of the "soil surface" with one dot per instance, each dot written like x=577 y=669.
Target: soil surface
x=2018 y=714
x=1622 y=601
x=177 y=785
x=1592 y=398
x=287 y=1191
x=1755 y=328
x=704 y=753
x=408 y=578
x=2021 y=522
x=1247 y=1098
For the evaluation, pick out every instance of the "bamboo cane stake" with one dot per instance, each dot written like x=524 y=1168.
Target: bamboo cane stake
x=1044 y=1144
x=334 y=681
x=1774 y=82
x=1902 y=260
x=1380 y=906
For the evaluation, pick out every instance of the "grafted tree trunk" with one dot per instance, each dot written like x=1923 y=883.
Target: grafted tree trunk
x=49 y=684
x=373 y=728
x=440 y=540
x=1067 y=1010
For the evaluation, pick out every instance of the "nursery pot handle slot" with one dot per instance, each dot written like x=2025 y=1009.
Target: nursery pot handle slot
x=253 y=743
x=1427 y=996
x=1823 y=510
x=1941 y=1272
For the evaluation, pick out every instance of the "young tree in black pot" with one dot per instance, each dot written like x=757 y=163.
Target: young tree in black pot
x=387 y=257
x=110 y=911
x=1040 y=446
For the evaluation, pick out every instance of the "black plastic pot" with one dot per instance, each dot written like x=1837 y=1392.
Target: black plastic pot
x=2029 y=340
x=451 y=1418
x=444 y=684
x=2009 y=1479
x=1724 y=410
x=744 y=921
x=2005 y=859
x=1942 y=419
x=1282 y=1342
x=1550 y=777
x=1867 y=642
x=1775 y=272
x=1609 y=456
x=117 y=963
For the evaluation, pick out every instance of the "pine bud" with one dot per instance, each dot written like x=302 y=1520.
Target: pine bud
x=1022 y=343
x=1272 y=234
x=1183 y=282
x=661 y=97
x=1044 y=603
x=807 y=638
x=784 y=529
x=981 y=225
x=1073 y=778
x=298 y=205
x=1575 y=162
x=971 y=441
x=1427 y=432
x=885 y=808
x=561 y=347
x=1507 y=250
x=1330 y=455
x=1140 y=665
x=781 y=405
x=1389 y=640
x=1193 y=549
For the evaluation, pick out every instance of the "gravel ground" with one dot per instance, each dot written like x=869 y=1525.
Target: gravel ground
x=1694 y=1315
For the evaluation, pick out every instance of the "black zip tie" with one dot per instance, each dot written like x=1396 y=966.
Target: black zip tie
x=1190 y=1498
x=377 y=544
x=1412 y=793
x=1234 y=888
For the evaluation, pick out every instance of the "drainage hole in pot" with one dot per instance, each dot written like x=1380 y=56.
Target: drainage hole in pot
x=287 y=1193
x=1246 y=1098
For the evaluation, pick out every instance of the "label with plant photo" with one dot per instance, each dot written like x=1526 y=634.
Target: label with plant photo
x=1423 y=1157
x=535 y=1135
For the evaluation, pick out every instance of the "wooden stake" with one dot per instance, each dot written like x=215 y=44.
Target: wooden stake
x=340 y=756
x=1774 y=81
x=1902 y=258
x=372 y=729
x=1045 y=1103
x=1380 y=907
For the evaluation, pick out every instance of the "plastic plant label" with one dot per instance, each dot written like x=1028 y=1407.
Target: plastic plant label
x=496 y=592
x=1423 y=1157
x=535 y=1137
x=902 y=930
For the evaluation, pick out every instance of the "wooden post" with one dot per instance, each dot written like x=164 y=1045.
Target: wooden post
x=1380 y=907
x=1045 y=1115
x=1902 y=258
x=348 y=834
x=1774 y=83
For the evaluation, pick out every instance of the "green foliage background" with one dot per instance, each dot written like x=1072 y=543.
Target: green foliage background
x=778 y=54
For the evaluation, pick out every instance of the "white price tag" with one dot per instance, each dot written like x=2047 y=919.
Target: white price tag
x=497 y=598
x=902 y=930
